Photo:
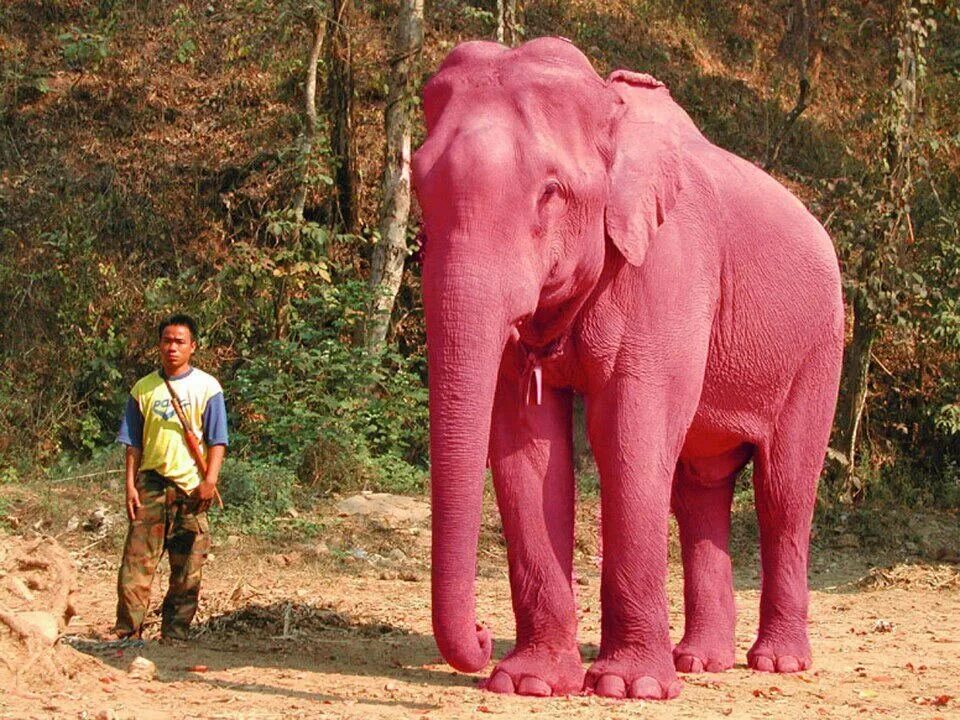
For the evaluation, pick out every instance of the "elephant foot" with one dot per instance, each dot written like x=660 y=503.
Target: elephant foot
x=538 y=671
x=699 y=655
x=624 y=676
x=780 y=654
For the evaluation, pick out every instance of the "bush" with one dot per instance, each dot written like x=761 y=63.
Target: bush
x=343 y=417
x=254 y=494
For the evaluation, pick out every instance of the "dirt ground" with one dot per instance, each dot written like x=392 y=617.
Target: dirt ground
x=324 y=632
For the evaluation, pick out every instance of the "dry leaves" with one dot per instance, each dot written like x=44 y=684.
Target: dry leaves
x=935 y=577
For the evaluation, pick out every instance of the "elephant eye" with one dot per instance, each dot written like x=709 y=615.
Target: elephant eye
x=552 y=189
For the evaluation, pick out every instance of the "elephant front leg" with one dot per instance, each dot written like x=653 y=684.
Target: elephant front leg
x=531 y=455
x=635 y=447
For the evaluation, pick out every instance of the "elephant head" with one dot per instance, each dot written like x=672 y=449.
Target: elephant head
x=529 y=187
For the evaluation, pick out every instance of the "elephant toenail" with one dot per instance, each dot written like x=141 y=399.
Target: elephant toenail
x=673 y=690
x=689 y=664
x=530 y=685
x=763 y=664
x=501 y=683
x=611 y=686
x=788 y=664
x=646 y=688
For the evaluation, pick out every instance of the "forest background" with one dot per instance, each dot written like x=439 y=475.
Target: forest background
x=231 y=160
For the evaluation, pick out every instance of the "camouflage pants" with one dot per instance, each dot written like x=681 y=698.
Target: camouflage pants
x=166 y=521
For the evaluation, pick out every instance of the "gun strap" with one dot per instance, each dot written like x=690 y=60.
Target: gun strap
x=184 y=423
x=188 y=433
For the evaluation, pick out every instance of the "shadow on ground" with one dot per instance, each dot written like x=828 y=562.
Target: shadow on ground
x=298 y=637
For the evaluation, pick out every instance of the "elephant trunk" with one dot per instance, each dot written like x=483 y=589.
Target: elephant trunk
x=465 y=340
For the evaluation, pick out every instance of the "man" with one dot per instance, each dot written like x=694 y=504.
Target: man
x=167 y=498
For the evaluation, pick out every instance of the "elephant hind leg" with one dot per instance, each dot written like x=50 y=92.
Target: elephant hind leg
x=702 y=495
x=786 y=472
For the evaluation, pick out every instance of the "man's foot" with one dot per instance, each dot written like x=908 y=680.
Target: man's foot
x=174 y=641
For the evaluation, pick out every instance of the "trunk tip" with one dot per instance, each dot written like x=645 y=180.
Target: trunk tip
x=468 y=654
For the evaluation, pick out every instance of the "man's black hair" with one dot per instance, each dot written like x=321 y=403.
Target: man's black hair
x=179 y=319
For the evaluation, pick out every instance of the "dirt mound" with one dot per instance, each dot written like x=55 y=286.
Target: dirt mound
x=37 y=582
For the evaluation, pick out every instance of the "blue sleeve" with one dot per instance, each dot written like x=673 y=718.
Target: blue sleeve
x=215 y=422
x=131 y=427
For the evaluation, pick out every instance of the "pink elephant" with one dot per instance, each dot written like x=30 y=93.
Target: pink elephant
x=583 y=236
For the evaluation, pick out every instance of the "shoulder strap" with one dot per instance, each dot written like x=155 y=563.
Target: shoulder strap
x=192 y=445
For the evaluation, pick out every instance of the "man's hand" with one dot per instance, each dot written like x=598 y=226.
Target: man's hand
x=206 y=492
x=132 y=459
x=133 y=502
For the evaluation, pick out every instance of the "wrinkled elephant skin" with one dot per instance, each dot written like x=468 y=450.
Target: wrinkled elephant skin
x=582 y=236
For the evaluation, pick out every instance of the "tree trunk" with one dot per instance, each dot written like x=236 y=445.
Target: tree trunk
x=282 y=300
x=508 y=25
x=316 y=25
x=340 y=103
x=803 y=47
x=884 y=245
x=386 y=269
x=856 y=375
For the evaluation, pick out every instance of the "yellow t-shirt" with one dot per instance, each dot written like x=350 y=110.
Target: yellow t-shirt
x=161 y=439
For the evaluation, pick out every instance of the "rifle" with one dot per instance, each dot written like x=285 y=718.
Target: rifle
x=192 y=444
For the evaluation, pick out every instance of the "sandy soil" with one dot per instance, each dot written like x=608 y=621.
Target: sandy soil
x=321 y=634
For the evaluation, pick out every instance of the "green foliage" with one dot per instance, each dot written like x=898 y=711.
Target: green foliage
x=84 y=50
x=8 y=476
x=947 y=419
x=184 y=29
x=364 y=414
x=255 y=488
x=18 y=83
x=100 y=236
x=484 y=18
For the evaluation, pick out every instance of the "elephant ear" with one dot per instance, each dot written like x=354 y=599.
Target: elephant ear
x=643 y=167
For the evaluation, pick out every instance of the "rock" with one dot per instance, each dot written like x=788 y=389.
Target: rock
x=397 y=555
x=142 y=669
x=72 y=524
x=287 y=559
x=232 y=541
x=44 y=624
x=391 y=510
x=883 y=626
x=105 y=714
x=96 y=519
x=292 y=512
